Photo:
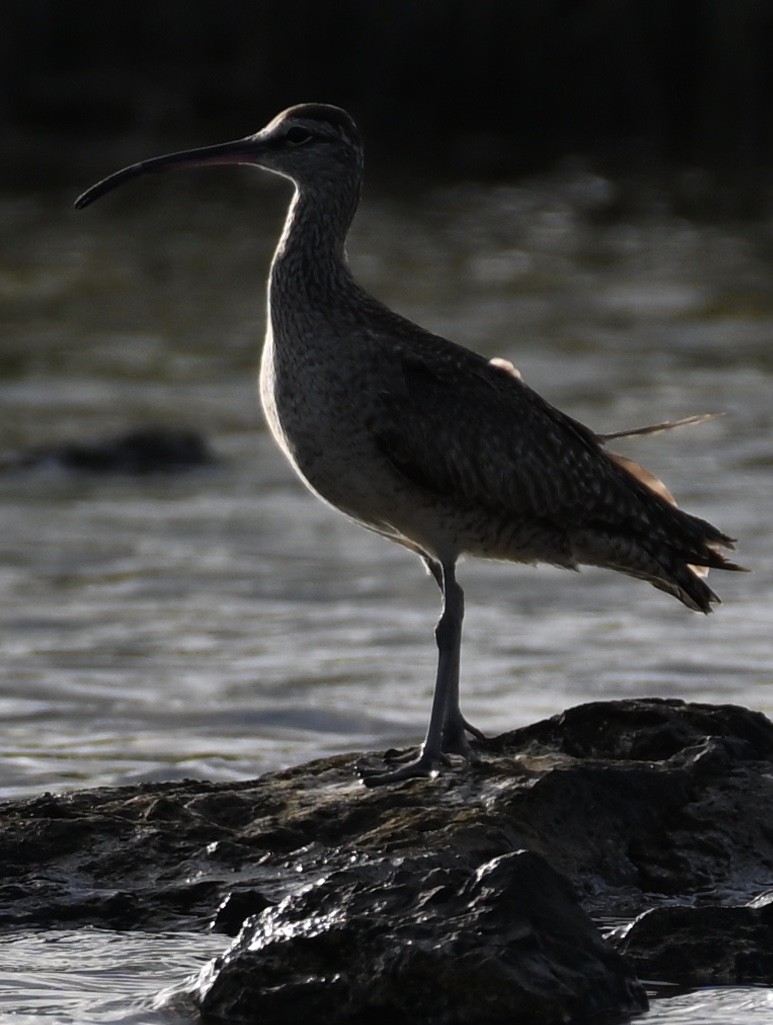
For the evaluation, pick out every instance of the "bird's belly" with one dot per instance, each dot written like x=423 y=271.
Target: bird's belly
x=343 y=470
x=332 y=451
x=322 y=434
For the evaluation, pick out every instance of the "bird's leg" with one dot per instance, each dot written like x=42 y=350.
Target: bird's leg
x=446 y=731
x=448 y=634
x=454 y=723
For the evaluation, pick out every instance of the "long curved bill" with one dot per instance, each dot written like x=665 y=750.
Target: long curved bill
x=240 y=151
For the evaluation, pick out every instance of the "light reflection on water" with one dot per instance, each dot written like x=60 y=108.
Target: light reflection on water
x=223 y=622
x=96 y=976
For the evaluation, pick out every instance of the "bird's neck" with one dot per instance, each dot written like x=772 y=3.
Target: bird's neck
x=309 y=265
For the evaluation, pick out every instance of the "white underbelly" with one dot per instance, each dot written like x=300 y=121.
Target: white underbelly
x=324 y=439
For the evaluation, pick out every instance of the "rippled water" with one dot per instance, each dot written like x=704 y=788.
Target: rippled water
x=222 y=622
x=731 y=1005
x=96 y=977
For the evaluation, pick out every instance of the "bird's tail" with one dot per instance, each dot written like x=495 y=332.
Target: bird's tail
x=669 y=571
x=677 y=558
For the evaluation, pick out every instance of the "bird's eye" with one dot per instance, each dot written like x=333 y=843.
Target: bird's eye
x=297 y=136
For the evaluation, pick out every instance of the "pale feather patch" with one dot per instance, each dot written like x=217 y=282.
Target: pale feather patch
x=507 y=367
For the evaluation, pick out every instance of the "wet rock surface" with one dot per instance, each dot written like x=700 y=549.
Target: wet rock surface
x=424 y=938
x=704 y=946
x=452 y=899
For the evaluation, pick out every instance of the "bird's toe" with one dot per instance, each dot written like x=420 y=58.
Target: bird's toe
x=424 y=766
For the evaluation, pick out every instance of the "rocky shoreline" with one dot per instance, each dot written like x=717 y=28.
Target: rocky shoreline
x=618 y=841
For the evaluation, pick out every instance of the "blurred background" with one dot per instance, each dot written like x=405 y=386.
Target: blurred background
x=583 y=188
x=502 y=86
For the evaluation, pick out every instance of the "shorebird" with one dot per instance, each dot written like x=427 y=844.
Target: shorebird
x=425 y=442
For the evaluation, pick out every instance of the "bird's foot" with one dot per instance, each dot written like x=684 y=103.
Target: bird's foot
x=431 y=759
x=454 y=740
x=425 y=766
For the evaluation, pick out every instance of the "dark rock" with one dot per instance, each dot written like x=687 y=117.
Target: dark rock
x=640 y=805
x=704 y=946
x=148 y=450
x=424 y=938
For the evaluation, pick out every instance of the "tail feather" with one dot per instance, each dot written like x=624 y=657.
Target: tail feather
x=687 y=583
x=677 y=557
x=680 y=568
x=665 y=425
x=660 y=543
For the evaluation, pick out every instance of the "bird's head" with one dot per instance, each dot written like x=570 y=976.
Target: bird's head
x=305 y=143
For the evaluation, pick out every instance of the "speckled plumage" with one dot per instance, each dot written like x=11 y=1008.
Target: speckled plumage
x=424 y=441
